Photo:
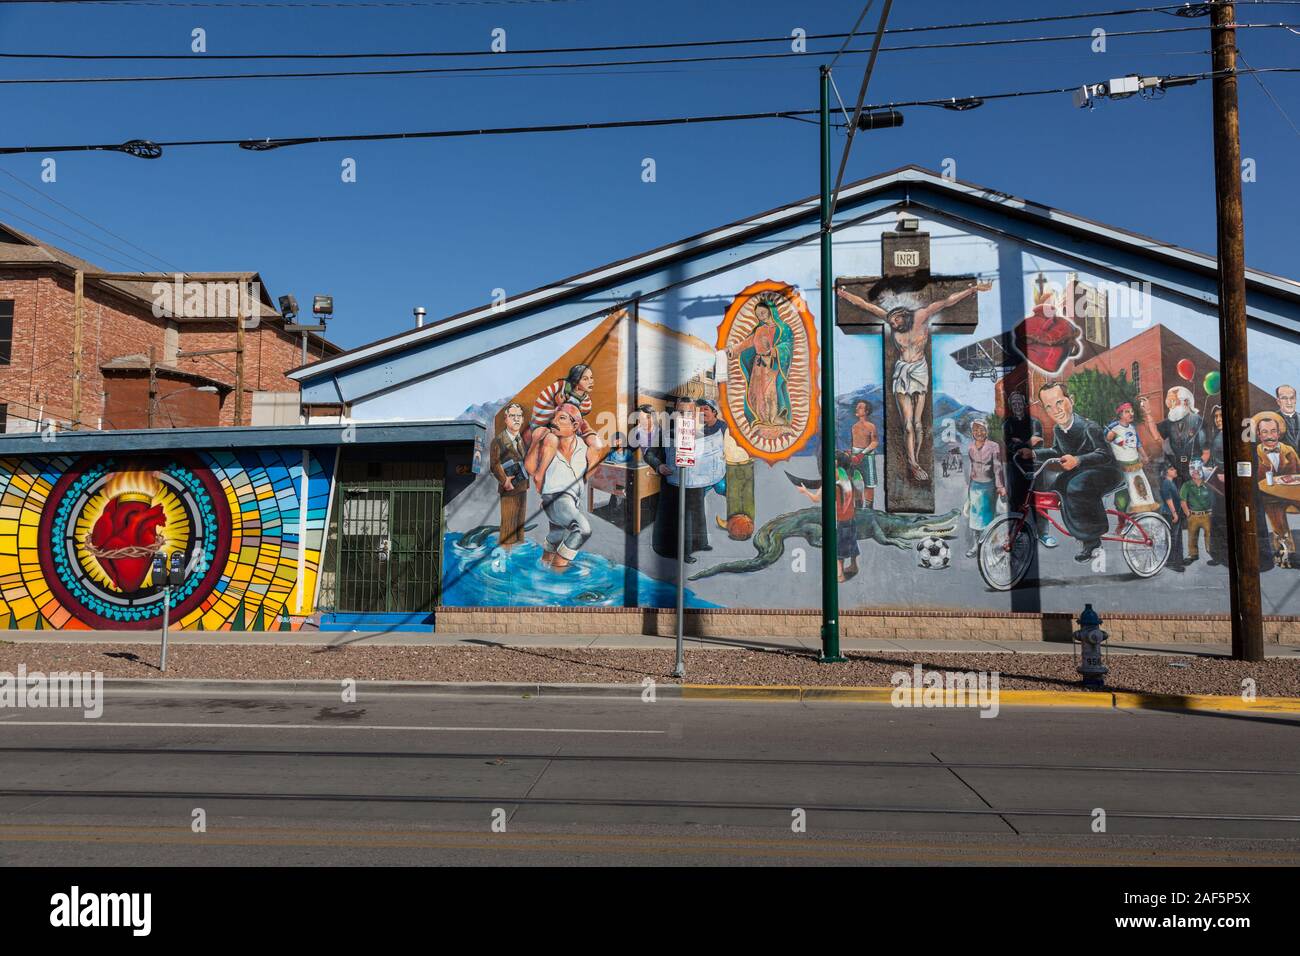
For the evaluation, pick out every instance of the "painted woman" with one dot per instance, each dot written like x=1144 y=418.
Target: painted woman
x=984 y=484
x=765 y=356
x=575 y=388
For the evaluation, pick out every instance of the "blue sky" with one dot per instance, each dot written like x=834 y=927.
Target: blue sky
x=443 y=223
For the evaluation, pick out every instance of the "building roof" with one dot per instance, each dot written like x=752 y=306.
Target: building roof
x=137 y=364
x=910 y=186
x=21 y=249
x=144 y=440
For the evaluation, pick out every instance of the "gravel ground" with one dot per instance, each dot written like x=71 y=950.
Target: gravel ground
x=1153 y=674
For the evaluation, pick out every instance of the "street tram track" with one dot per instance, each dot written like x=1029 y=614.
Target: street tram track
x=634 y=803
x=494 y=755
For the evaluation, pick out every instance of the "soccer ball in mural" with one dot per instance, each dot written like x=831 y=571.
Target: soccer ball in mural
x=933 y=553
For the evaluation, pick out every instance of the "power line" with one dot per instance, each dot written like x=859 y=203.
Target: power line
x=379 y=4
x=272 y=4
x=150 y=149
x=848 y=38
x=622 y=47
x=526 y=67
x=139 y=147
x=84 y=218
x=118 y=254
x=62 y=238
x=857 y=111
x=1269 y=93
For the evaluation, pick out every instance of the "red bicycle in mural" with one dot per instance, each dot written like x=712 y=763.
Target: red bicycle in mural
x=1007 y=548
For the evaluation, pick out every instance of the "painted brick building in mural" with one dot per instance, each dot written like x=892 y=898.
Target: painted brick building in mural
x=119 y=332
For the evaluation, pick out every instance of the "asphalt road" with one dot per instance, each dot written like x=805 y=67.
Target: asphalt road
x=401 y=779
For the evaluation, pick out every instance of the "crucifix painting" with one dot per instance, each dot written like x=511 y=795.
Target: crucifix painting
x=908 y=305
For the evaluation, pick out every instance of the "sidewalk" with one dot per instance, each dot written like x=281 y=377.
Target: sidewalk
x=609 y=641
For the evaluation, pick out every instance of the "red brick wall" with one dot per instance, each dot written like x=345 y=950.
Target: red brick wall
x=179 y=404
x=41 y=370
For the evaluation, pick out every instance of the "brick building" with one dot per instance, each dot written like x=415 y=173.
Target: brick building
x=137 y=369
x=1149 y=360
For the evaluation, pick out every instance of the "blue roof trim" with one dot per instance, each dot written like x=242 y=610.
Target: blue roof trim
x=1181 y=279
x=323 y=378
x=424 y=359
x=212 y=439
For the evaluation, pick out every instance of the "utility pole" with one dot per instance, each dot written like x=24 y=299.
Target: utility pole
x=237 y=277
x=78 y=322
x=1239 y=472
x=153 y=385
x=830 y=565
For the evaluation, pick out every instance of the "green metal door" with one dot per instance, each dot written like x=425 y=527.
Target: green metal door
x=387 y=538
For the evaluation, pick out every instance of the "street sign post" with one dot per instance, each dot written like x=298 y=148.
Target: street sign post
x=684 y=458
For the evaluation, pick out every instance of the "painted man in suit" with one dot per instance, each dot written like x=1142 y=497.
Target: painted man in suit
x=1276 y=459
x=1087 y=471
x=507 y=463
x=1285 y=395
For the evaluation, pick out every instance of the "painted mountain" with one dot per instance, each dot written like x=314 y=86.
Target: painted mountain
x=485 y=412
x=945 y=407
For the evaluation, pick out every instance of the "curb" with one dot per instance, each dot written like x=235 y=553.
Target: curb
x=1106 y=700
x=331 y=688
x=1096 y=700
x=386 y=687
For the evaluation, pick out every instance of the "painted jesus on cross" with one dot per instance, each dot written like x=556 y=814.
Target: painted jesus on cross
x=910 y=382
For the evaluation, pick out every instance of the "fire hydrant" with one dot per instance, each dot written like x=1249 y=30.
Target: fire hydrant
x=1090 y=637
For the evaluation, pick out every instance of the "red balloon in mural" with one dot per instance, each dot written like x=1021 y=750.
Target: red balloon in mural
x=1186 y=370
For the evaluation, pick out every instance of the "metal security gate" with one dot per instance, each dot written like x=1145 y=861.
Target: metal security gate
x=386 y=537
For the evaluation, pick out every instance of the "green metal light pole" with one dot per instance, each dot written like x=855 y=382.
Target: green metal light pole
x=830 y=582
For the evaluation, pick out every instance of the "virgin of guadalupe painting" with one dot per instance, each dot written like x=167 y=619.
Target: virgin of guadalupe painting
x=765 y=362
x=770 y=390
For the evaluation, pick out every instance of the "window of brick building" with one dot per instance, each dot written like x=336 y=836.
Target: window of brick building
x=4 y=418
x=6 y=330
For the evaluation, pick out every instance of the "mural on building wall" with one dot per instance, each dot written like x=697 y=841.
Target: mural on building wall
x=1010 y=435
x=78 y=536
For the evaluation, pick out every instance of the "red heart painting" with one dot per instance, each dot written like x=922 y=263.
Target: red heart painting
x=1046 y=339
x=125 y=538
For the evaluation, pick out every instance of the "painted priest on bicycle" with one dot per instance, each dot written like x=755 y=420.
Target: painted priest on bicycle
x=1086 y=473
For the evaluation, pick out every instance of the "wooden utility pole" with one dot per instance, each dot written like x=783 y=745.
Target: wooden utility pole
x=153 y=384
x=1240 y=471
x=239 y=358
x=239 y=277
x=78 y=321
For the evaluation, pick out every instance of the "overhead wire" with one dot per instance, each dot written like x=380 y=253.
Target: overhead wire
x=258 y=144
x=594 y=64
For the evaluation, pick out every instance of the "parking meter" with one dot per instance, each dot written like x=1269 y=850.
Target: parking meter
x=176 y=569
x=169 y=572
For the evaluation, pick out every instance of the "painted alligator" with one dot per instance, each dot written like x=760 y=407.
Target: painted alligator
x=902 y=531
x=475 y=537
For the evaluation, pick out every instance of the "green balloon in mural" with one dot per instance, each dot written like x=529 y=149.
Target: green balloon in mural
x=1211 y=383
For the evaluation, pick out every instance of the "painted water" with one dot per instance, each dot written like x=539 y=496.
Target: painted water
x=484 y=575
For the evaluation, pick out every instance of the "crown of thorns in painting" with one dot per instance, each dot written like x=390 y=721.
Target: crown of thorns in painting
x=769 y=394
x=104 y=523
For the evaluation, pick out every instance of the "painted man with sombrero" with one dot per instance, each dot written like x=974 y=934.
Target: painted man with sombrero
x=1278 y=463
